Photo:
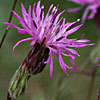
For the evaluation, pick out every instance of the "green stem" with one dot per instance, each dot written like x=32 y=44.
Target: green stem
x=93 y=76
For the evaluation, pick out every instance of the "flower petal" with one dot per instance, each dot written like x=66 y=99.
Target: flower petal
x=85 y=14
x=72 y=61
x=73 y=51
x=24 y=13
x=74 y=9
x=51 y=65
x=61 y=64
x=22 y=31
x=18 y=17
x=72 y=30
x=32 y=43
x=21 y=42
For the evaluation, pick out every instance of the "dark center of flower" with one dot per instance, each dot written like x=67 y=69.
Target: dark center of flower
x=36 y=58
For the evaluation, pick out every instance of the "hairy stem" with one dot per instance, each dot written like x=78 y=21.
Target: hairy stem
x=10 y=18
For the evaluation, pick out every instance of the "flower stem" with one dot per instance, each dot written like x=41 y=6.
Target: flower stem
x=93 y=76
x=58 y=90
x=10 y=18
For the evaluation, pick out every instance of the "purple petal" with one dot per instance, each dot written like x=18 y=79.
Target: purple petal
x=53 y=50
x=32 y=43
x=48 y=12
x=98 y=64
x=18 y=17
x=85 y=14
x=98 y=59
x=72 y=61
x=22 y=31
x=94 y=10
x=77 y=1
x=33 y=12
x=38 y=10
x=58 y=16
x=47 y=61
x=27 y=29
x=82 y=36
x=73 y=51
x=63 y=65
x=29 y=11
x=74 y=9
x=73 y=30
x=21 y=42
x=83 y=40
x=70 y=25
x=51 y=65
x=24 y=13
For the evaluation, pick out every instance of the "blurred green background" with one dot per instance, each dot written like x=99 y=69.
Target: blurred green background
x=41 y=87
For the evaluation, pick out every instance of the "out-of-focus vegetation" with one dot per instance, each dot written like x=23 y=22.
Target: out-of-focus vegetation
x=41 y=87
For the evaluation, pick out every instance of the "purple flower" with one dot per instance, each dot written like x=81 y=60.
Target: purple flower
x=93 y=5
x=52 y=30
x=98 y=59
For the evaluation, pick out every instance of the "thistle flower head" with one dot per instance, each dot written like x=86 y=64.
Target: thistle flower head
x=51 y=31
x=93 y=5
